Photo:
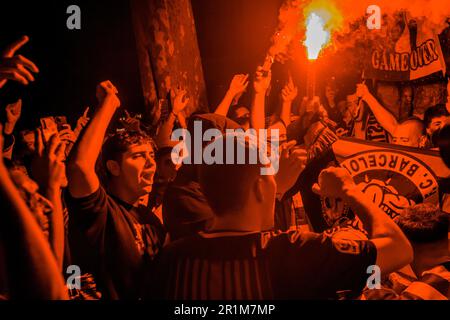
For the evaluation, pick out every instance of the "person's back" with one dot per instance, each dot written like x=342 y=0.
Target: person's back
x=239 y=257
x=258 y=266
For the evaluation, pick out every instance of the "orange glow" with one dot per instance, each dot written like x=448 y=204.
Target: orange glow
x=316 y=36
x=322 y=18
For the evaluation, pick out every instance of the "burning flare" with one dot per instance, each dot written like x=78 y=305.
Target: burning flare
x=316 y=36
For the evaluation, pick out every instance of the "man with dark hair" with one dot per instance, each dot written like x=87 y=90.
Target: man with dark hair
x=113 y=234
x=435 y=118
x=113 y=149
x=240 y=256
x=427 y=229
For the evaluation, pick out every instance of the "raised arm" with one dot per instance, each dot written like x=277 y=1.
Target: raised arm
x=20 y=69
x=16 y=67
x=180 y=101
x=288 y=94
x=393 y=248
x=260 y=85
x=32 y=269
x=82 y=122
x=13 y=112
x=48 y=170
x=238 y=86
x=83 y=180
x=386 y=119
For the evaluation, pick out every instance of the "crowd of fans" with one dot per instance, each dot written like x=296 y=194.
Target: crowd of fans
x=102 y=211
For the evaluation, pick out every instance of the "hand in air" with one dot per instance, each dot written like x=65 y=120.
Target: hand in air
x=289 y=92
x=107 y=93
x=180 y=100
x=262 y=80
x=334 y=183
x=16 y=67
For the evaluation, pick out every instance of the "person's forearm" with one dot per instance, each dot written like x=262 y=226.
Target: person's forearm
x=9 y=128
x=182 y=120
x=376 y=222
x=302 y=109
x=285 y=114
x=165 y=130
x=257 y=113
x=78 y=130
x=8 y=146
x=57 y=225
x=32 y=268
x=393 y=248
x=90 y=143
x=224 y=106
x=383 y=116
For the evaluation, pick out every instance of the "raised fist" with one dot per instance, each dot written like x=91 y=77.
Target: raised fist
x=334 y=183
x=107 y=93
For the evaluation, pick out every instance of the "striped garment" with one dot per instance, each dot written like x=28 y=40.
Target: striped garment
x=258 y=266
x=432 y=285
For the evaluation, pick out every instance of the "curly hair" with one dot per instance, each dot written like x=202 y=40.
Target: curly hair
x=116 y=144
x=424 y=223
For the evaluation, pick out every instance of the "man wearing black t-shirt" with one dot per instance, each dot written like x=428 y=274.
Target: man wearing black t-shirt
x=112 y=234
x=239 y=257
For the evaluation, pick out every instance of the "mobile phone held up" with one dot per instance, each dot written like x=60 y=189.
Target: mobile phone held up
x=49 y=128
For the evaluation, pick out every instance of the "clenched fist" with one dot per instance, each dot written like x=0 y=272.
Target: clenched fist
x=107 y=94
x=334 y=183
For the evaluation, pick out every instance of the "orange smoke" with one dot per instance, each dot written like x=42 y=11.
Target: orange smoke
x=338 y=19
x=436 y=11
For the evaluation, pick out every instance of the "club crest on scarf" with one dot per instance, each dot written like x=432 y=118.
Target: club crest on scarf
x=394 y=180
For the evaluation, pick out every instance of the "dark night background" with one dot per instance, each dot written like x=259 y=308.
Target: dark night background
x=233 y=37
x=72 y=62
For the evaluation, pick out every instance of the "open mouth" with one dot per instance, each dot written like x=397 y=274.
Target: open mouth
x=147 y=178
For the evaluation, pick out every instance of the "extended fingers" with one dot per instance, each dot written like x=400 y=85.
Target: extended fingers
x=27 y=63
x=38 y=142
x=24 y=72
x=86 y=112
x=60 y=151
x=243 y=79
x=13 y=74
x=15 y=46
x=53 y=144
